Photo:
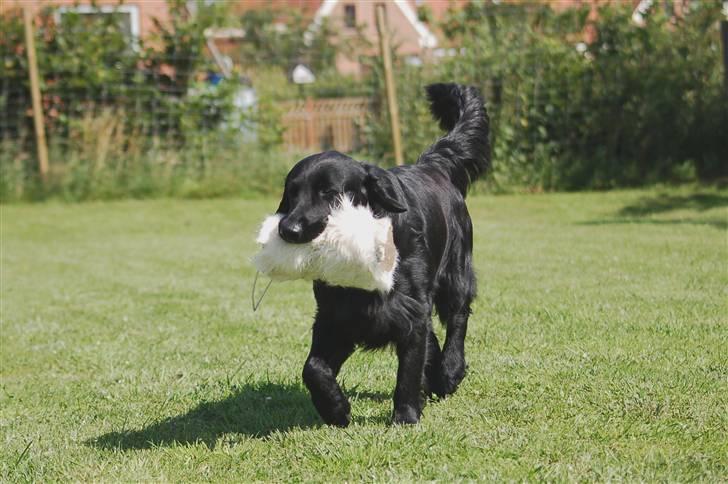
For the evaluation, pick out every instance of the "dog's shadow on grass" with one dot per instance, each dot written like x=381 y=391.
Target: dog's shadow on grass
x=253 y=410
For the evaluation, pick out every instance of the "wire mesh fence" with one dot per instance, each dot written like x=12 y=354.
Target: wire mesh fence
x=160 y=119
x=171 y=110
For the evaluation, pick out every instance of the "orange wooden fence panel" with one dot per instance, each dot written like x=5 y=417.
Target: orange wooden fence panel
x=325 y=124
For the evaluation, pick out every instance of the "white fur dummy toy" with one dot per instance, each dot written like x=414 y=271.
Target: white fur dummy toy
x=354 y=250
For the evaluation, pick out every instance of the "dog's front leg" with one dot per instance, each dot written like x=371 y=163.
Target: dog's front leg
x=411 y=352
x=319 y=374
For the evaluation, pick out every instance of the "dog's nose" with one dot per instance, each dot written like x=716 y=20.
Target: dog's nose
x=291 y=232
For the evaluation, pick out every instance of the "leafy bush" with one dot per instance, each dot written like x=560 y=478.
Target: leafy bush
x=111 y=107
x=418 y=130
x=142 y=118
x=639 y=105
x=267 y=43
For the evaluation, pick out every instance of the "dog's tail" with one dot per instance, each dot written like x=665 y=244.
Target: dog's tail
x=464 y=152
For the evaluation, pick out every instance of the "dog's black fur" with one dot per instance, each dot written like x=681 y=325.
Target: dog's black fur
x=434 y=237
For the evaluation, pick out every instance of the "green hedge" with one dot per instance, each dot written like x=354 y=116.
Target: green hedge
x=638 y=106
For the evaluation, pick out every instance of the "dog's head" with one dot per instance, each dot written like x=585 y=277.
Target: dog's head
x=316 y=183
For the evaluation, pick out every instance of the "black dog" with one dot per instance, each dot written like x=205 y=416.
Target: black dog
x=433 y=234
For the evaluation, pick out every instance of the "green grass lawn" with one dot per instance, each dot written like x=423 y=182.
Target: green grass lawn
x=598 y=349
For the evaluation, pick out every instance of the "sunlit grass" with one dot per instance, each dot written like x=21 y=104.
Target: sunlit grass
x=597 y=350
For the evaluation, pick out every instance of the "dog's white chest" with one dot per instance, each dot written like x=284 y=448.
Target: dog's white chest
x=354 y=250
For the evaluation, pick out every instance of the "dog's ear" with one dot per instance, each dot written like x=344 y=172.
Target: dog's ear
x=283 y=207
x=384 y=190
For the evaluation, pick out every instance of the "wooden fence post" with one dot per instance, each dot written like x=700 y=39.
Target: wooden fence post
x=40 y=138
x=310 y=127
x=389 y=83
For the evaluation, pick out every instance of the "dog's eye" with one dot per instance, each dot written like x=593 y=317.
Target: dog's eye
x=328 y=193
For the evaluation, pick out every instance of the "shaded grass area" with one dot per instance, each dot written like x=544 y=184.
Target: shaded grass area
x=597 y=349
x=207 y=422
x=646 y=210
x=667 y=202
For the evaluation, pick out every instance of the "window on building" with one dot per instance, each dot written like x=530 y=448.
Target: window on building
x=350 y=15
x=126 y=17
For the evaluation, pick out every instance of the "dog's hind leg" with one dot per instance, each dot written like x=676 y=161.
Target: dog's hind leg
x=433 y=381
x=319 y=374
x=453 y=305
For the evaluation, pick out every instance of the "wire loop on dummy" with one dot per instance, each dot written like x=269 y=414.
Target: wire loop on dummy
x=252 y=294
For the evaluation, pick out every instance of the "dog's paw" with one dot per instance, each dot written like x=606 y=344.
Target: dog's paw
x=452 y=373
x=405 y=415
x=341 y=420
x=433 y=384
x=339 y=415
